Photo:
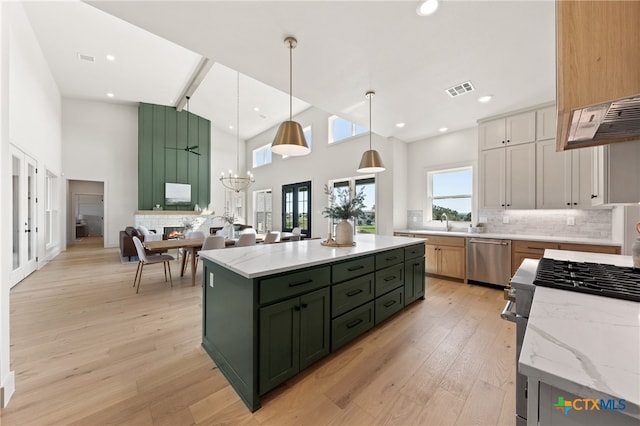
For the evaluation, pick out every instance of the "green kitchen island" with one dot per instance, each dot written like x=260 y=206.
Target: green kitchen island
x=271 y=310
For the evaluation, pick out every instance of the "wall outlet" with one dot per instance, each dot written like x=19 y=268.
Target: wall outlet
x=571 y=221
x=505 y=219
x=211 y=279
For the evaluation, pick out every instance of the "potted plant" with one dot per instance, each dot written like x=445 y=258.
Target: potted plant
x=343 y=205
x=229 y=220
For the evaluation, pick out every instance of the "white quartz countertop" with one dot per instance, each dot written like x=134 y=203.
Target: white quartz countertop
x=587 y=345
x=521 y=237
x=267 y=259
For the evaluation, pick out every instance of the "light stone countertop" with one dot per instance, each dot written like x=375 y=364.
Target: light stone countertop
x=584 y=344
x=267 y=259
x=522 y=237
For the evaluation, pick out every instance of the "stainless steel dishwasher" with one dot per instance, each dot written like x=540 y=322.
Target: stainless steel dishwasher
x=489 y=260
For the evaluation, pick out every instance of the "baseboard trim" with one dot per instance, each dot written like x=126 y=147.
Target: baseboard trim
x=7 y=389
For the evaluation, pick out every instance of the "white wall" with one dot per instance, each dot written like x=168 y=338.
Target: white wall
x=223 y=158
x=324 y=163
x=30 y=119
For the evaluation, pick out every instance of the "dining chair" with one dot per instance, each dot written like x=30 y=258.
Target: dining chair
x=296 y=230
x=247 y=239
x=272 y=237
x=186 y=253
x=144 y=259
x=212 y=242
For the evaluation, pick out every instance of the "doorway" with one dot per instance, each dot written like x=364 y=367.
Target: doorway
x=24 y=222
x=86 y=209
x=296 y=207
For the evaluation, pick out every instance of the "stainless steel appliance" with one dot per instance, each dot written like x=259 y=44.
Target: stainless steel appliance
x=489 y=260
x=593 y=278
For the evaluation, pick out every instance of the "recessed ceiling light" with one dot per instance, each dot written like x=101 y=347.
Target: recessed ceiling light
x=444 y=129
x=426 y=7
x=256 y=109
x=400 y=125
x=231 y=126
x=111 y=58
x=111 y=95
x=485 y=99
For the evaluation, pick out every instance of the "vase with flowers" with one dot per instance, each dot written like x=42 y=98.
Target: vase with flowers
x=229 y=219
x=344 y=205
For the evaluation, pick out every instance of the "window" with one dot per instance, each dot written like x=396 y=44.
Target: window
x=451 y=193
x=367 y=184
x=263 y=211
x=296 y=207
x=341 y=129
x=50 y=213
x=307 y=136
x=262 y=156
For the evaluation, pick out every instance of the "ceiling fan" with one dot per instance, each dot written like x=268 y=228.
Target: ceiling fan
x=189 y=149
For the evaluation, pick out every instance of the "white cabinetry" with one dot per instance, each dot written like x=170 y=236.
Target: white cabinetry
x=616 y=174
x=507 y=177
x=546 y=123
x=563 y=179
x=513 y=130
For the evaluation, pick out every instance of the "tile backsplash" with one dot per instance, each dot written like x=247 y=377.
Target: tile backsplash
x=586 y=223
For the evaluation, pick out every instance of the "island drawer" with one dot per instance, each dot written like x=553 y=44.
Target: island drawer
x=350 y=325
x=352 y=268
x=349 y=294
x=389 y=278
x=388 y=258
x=389 y=304
x=414 y=251
x=292 y=284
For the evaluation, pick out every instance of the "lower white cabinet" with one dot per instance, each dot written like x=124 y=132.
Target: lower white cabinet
x=563 y=179
x=508 y=177
x=616 y=174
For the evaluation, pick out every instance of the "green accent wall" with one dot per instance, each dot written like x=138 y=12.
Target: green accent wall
x=162 y=137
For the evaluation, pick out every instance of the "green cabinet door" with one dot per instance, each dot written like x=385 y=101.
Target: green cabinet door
x=413 y=280
x=294 y=334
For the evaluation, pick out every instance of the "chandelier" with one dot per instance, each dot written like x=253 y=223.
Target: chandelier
x=232 y=181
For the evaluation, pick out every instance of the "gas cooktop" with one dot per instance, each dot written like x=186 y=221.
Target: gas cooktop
x=593 y=278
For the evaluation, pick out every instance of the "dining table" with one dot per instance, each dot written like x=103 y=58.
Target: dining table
x=191 y=244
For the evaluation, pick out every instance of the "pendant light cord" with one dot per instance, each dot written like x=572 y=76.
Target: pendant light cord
x=290 y=80
x=238 y=123
x=370 y=96
x=188 y=121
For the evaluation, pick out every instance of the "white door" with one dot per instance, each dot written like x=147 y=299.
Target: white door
x=24 y=215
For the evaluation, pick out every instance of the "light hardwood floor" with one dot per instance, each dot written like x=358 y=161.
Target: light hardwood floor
x=88 y=350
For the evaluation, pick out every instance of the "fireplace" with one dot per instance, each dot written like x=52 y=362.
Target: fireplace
x=174 y=231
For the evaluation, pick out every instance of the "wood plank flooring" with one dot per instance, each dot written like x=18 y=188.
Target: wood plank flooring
x=88 y=350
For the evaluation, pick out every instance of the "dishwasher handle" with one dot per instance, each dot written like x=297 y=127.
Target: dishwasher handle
x=493 y=242
x=508 y=313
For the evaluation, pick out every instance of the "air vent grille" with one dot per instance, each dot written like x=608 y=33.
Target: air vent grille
x=86 y=58
x=460 y=89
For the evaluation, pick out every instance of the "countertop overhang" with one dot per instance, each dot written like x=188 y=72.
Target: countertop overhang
x=267 y=259
x=587 y=345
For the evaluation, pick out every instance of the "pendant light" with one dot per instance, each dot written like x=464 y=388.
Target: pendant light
x=371 y=161
x=232 y=181
x=290 y=138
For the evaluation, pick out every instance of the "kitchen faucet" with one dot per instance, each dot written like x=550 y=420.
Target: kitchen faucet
x=444 y=217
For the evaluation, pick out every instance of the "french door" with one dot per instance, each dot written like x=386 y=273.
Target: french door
x=23 y=215
x=296 y=207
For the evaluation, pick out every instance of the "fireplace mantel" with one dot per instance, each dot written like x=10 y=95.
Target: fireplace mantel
x=160 y=219
x=171 y=212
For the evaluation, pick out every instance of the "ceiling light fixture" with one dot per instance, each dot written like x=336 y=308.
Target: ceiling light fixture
x=400 y=125
x=485 y=99
x=290 y=138
x=371 y=161
x=232 y=181
x=426 y=7
x=111 y=95
x=110 y=58
x=444 y=129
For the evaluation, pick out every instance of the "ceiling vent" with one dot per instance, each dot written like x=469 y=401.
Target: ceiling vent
x=86 y=58
x=460 y=89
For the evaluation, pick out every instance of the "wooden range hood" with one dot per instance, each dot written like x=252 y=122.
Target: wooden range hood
x=598 y=72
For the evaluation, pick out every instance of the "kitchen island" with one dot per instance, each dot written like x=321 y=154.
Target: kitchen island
x=582 y=348
x=271 y=310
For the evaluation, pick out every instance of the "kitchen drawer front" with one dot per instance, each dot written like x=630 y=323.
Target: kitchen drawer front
x=350 y=294
x=350 y=325
x=289 y=285
x=535 y=247
x=438 y=240
x=389 y=278
x=414 y=251
x=389 y=304
x=388 y=258
x=352 y=268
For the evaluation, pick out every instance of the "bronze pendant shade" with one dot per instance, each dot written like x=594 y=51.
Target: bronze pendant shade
x=290 y=138
x=371 y=161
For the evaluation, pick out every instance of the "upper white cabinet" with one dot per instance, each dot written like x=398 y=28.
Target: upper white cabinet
x=507 y=177
x=512 y=130
x=546 y=123
x=616 y=174
x=563 y=179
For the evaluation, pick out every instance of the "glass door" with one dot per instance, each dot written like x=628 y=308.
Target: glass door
x=24 y=215
x=296 y=207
